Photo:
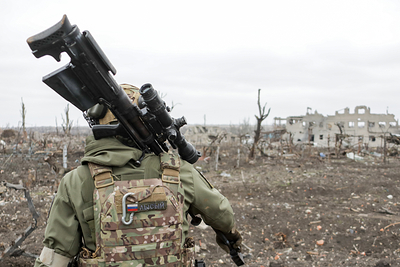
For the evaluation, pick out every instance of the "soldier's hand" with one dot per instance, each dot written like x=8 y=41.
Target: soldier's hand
x=233 y=237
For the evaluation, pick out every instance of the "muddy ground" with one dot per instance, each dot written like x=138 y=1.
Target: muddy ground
x=298 y=211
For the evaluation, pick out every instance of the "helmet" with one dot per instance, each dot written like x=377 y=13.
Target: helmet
x=104 y=115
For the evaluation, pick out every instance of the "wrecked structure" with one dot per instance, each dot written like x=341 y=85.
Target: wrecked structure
x=202 y=135
x=358 y=128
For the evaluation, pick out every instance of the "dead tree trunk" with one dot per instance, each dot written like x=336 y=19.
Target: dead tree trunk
x=67 y=123
x=262 y=116
x=384 y=148
x=23 y=114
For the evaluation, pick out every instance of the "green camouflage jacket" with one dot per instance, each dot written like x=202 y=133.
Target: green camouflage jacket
x=71 y=224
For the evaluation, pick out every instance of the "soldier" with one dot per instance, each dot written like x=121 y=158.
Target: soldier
x=111 y=211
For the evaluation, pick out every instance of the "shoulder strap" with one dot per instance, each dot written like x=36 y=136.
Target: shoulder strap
x=102 y=175
x=170 y=165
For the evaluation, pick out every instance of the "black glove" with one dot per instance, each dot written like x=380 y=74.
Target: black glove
x=234 y=238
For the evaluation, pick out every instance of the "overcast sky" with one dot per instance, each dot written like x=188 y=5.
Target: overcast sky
x=211 y=57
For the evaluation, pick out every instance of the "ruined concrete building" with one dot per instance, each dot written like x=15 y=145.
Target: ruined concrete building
x=360 y=127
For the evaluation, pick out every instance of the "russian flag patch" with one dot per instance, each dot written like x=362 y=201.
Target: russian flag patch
x=132 y=207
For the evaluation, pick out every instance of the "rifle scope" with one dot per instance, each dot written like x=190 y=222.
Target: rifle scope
x=157 y=107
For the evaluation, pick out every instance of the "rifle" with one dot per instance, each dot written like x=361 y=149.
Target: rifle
x=236 y=256
x=86 y=81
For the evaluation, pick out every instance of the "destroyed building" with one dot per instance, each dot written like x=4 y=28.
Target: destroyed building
x=358 y=128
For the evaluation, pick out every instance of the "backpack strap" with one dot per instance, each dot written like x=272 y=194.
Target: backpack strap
x=170 y=166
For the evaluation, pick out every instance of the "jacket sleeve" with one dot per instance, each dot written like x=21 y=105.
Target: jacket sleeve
x=213 y=207
x=39 y=263
x=48 y=258
x=63 y=235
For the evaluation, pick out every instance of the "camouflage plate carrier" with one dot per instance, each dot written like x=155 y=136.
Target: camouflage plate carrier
x=139 y=222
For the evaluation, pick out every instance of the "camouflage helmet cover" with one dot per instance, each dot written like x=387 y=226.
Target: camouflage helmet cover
x=133 y=94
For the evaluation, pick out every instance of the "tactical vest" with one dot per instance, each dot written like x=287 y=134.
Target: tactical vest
x=139 y=222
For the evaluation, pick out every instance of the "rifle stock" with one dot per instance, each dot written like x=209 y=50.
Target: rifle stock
x=87 y=80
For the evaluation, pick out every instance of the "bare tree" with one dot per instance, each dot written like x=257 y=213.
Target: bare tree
x=339 y=138
x=173 y=105
x=260 y=118
x=23 y=114
x=67 y=123
x=56 y=126
x=385 y=131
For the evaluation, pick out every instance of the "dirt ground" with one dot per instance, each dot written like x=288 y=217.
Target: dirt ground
x=298 y=211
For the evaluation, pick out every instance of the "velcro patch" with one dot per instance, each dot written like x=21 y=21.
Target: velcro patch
x=170 y=176
x=132 y=207
x=146 y=206
x=157 y=197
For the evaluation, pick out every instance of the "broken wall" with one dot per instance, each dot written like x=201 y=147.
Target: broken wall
x=359 y=128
